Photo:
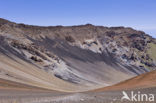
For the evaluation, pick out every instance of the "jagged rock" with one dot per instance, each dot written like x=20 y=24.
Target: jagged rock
x=34 y=58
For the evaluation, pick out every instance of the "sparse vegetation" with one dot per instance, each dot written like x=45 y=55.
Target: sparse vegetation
x=152 y=50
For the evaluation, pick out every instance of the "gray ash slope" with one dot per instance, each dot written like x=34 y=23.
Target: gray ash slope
x=86 y=55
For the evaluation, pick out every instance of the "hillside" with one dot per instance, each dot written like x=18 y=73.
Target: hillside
x=73 y=58
x=146 y=80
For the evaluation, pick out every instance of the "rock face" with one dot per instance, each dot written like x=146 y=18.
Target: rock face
x=86 y=55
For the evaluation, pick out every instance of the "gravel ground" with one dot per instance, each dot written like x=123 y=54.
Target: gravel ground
x=18 y=96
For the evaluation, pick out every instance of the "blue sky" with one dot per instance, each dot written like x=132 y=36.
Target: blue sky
x=139 y=14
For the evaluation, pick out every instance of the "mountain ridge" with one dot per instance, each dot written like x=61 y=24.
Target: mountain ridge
x=84 y=55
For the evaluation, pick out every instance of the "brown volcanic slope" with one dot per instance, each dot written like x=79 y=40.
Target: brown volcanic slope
x=22 y=72
x=73 y=58
x=144 y=83
x=10 y=85
x=147 y=80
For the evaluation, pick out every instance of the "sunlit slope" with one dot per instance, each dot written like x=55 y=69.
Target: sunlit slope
x=146 y=80
x=22 y=72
